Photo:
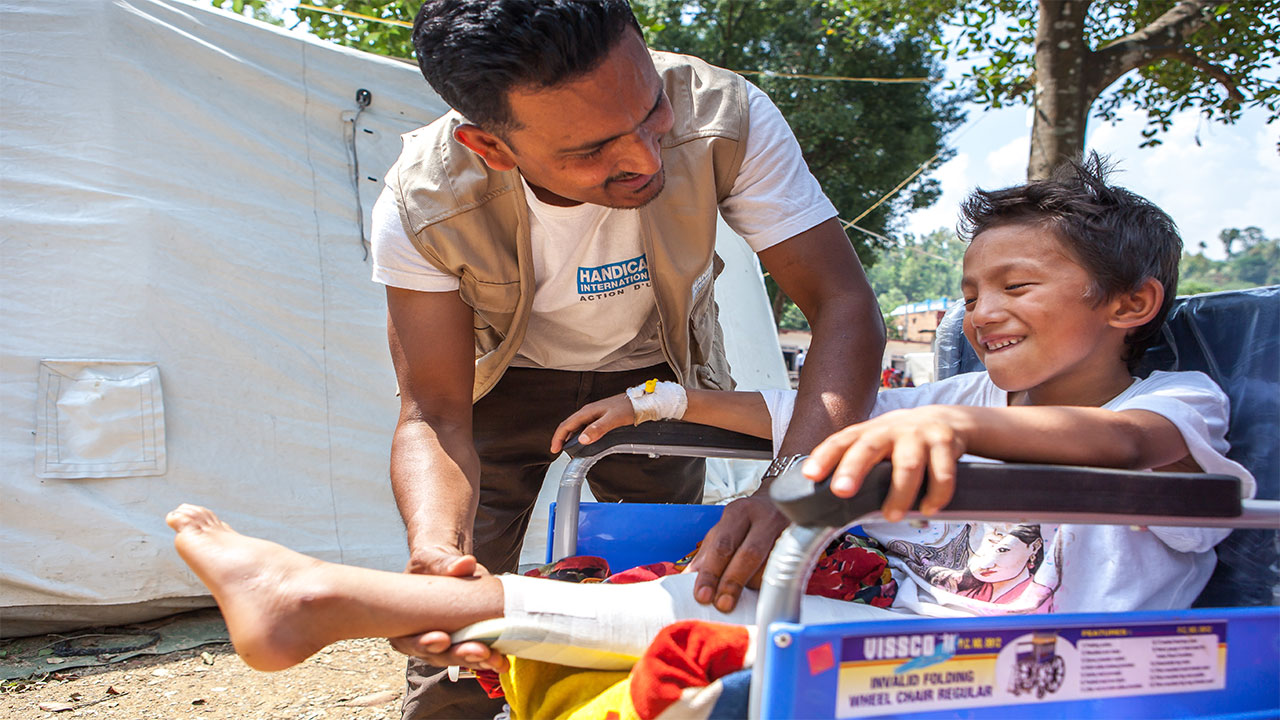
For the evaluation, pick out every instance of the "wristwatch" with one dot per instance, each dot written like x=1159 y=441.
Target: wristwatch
x=779 y=465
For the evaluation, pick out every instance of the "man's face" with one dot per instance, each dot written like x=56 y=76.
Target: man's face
x=595 y=139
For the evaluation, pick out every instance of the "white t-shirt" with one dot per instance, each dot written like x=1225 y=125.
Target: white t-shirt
x=959 y=569
x=593 y=305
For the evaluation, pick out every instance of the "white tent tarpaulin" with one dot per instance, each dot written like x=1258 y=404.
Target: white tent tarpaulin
x=187 y=309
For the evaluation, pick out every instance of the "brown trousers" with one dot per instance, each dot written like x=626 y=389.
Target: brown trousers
x=512 y=427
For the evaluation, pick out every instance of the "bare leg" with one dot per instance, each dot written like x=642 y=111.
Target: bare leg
x=281 y=606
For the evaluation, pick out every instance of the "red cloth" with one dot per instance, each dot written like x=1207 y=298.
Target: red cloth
x=687 y=654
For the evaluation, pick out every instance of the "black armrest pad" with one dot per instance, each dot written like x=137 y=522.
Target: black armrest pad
x=672 y=432
x=1023 y=488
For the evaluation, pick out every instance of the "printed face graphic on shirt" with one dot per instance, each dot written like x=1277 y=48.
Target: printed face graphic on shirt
x=1003 y=556
x=1000 y=569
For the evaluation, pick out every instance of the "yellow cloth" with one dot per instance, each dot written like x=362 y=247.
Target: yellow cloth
x=543 y=691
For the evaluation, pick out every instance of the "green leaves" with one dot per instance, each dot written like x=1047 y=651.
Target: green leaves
x=1252 y=260
x=860 y=139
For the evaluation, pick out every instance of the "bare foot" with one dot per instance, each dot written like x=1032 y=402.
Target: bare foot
x=272 y=598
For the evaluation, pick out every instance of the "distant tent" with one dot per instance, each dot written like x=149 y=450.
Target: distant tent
x=188 y=315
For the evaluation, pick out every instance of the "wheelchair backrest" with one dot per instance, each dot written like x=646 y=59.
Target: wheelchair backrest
x=1234 y=338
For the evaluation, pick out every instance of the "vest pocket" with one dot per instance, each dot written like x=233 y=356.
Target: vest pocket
x=494 y=304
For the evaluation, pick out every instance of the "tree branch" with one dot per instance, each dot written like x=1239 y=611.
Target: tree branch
x=1224 y=78
x=1180 y=21
x=1163 y=37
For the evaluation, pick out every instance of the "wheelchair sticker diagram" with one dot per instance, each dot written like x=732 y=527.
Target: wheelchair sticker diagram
x=1039 y=668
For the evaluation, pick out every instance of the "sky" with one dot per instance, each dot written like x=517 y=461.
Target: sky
x=1230 y=179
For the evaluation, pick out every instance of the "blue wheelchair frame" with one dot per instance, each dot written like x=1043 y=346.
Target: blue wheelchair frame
x=804 y=671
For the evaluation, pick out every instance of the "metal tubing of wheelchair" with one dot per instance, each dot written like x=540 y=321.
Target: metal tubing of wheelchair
x=781 y=591
x=564 y=540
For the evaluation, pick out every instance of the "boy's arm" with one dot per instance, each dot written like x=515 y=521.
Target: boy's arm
x=935 y=436
x=743 y=412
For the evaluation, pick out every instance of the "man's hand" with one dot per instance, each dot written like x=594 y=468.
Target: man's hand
x=930 y=437
x=594 y=420
x=443 y=559
x=734 y=552
x=435 y=647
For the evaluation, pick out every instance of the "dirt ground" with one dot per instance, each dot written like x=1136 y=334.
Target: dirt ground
x=352 y=679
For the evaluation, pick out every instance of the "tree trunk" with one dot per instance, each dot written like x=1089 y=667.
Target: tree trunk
x=1062 y=99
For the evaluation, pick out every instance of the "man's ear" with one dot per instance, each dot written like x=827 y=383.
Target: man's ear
x=495 y=152
x=1137 y=308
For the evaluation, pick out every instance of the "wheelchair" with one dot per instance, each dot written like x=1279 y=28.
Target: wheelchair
x=1218 y=659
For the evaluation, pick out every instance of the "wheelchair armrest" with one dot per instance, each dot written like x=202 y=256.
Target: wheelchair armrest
x=673 y=433
x=1053 y=493
x=666 y=438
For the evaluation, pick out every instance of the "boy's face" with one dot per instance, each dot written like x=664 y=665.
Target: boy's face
x=1028 y=317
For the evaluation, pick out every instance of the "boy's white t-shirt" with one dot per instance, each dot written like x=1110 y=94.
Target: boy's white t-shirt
x=593 y=306
x=960 y=569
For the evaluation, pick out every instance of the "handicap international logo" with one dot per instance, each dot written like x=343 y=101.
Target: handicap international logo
x=612 y=278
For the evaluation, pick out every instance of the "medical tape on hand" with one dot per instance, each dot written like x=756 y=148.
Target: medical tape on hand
x=658 y=400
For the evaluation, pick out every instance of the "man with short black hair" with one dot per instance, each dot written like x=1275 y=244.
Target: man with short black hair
x=551 y=242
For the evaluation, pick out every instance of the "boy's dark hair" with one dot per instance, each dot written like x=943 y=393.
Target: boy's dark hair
x=1120 y=238
x=473 y=52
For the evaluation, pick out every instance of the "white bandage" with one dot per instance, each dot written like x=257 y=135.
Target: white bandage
x=608 y=627
x=658 y=400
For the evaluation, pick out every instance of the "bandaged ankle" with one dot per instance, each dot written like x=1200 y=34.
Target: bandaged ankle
x=658 y=400
x=604 y=627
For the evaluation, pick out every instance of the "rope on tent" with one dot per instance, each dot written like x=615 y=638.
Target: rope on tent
x=894 y=191
x=356 y=15
x=363 y=100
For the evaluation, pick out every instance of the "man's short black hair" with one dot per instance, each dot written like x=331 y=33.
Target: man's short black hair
x=474 y=52
x=1120 y=238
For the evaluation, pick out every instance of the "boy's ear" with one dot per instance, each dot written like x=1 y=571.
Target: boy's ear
x=495 y=152
x=1137 y=308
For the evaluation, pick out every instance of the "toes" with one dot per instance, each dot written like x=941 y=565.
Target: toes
x=191 y=517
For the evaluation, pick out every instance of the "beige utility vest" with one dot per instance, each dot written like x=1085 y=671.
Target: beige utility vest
x=473 y=222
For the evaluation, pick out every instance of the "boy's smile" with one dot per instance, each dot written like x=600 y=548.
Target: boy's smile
x=1031 y=320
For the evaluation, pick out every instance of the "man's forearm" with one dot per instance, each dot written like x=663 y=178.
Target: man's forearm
x=435 y=478
x=838 y=386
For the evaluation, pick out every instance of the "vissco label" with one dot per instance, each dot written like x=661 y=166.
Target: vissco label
x=918 y=672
